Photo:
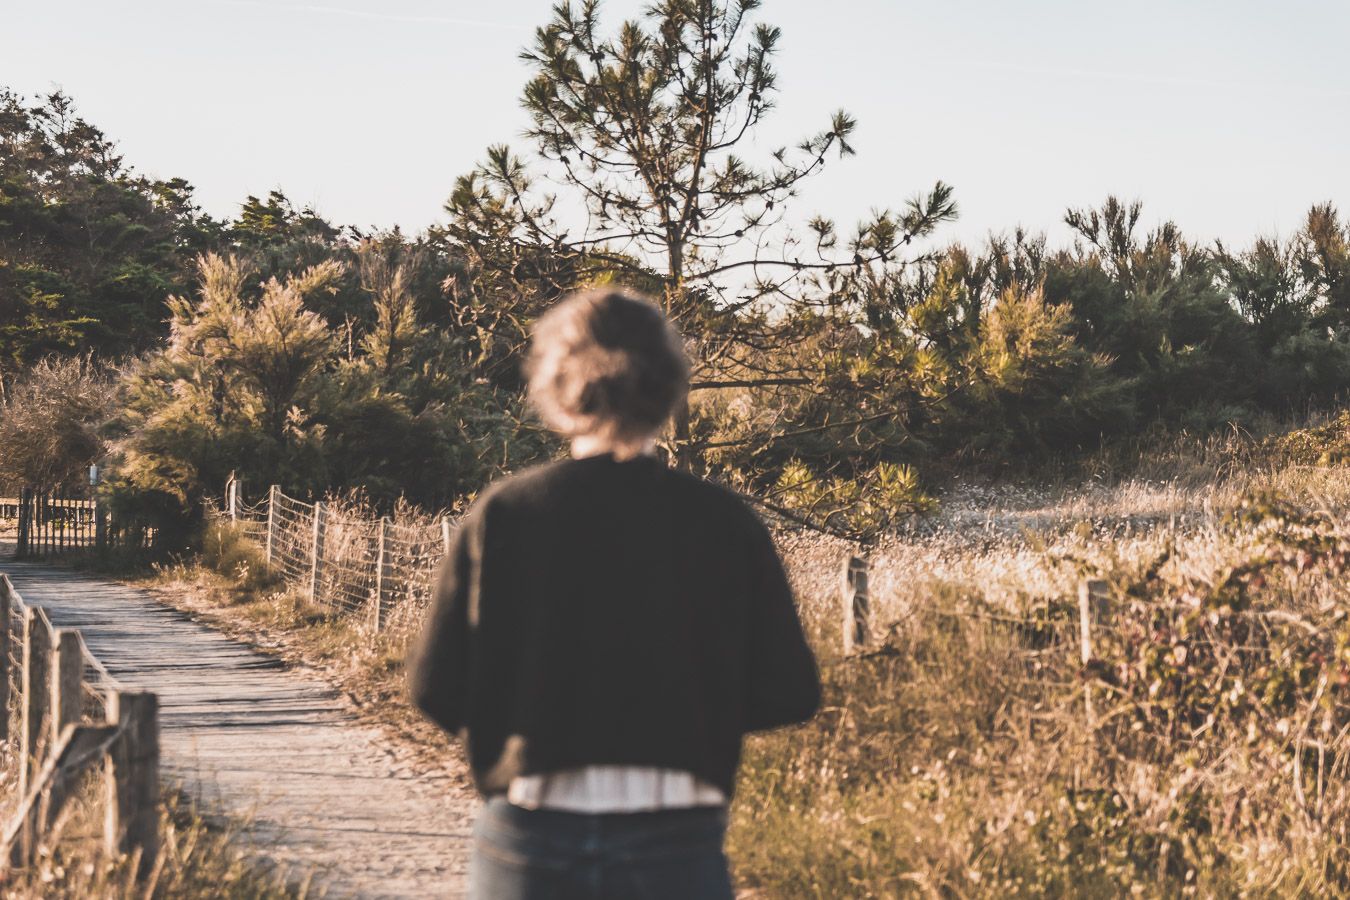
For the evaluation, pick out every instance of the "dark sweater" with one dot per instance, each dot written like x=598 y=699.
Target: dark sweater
x=594 y=612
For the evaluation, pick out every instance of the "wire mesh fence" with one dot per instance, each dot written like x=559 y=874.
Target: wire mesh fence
x=382 y=571
x=352 y=563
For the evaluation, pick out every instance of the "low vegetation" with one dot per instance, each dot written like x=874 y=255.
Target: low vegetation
x=200 y=859
x=958 y=757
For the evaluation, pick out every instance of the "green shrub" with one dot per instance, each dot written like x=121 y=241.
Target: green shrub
x=1327 y=444
x=230 y=550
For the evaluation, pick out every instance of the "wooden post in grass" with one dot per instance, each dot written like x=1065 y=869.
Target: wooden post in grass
x=270 y=542
x=232 y=498
x=132 y=778
x=316 y=557
x=381 y=554
x=1093 y=600
x=36 y=693
x=67 y=686
x=1093 y=608
x=6 y=610
x=445 y=535
x=857 y=605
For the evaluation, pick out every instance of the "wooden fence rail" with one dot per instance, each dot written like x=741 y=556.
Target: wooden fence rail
x=73 y=717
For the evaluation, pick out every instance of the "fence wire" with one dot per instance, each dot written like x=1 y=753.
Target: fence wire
x=378 y=571
x=97 y=684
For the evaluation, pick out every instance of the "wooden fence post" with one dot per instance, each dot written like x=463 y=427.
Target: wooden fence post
x=6 y=610
x=381 y=552
x=445 y=535
x=25 y=521
x=132 y=779
x=35 y=524
x=1093 y=599
x=271 y=522
x=232 y=499
x=1093 y=609
x=100 y=526
x=857 y=605
x=316 y=557
x=36 y=693
x=67 y=686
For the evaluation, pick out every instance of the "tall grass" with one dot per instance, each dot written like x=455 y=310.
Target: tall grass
x=958 y=760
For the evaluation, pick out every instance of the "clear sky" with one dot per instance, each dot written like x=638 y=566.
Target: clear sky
x=1228 y=116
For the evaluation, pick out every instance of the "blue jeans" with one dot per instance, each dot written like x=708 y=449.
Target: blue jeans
x=522 y=854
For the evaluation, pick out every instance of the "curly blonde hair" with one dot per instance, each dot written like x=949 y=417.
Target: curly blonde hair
x=606 y=363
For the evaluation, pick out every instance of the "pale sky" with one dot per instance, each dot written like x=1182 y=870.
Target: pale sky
x=1228 y=116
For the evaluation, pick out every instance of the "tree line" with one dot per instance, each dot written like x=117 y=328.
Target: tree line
x=837 y=371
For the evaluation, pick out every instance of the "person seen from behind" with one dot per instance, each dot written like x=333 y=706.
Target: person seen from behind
x=605 y=632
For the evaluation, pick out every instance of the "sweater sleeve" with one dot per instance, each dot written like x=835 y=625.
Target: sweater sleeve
x=439 y=663
x=784 y=682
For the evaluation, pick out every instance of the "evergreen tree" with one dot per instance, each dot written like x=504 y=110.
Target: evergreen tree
x=650 y=128
x=1153 y=304
x=88 y=249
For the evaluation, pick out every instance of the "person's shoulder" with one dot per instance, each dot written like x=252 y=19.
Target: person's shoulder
x=523 y=485
x=539 y=485
x=718 y=499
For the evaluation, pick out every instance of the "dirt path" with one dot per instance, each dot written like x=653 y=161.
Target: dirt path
x=274 y=747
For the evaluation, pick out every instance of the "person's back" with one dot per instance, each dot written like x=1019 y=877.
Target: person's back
x=605 y=632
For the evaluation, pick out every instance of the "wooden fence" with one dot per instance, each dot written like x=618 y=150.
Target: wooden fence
x=58 y=522
x=73 y=717
x=51 y=523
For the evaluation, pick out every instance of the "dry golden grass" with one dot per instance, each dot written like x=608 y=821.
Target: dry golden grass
x=957 y=760
x=199 y=858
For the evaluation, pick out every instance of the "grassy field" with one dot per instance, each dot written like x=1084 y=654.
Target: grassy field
x=958 y=760
x=957 y=757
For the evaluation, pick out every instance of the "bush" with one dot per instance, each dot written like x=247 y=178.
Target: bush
x=50 y=421
x=1327 y=444
x=259 y=387
x=229 y=549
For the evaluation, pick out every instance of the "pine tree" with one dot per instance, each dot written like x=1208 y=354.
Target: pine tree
x=88 y=248
x=650 y=128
